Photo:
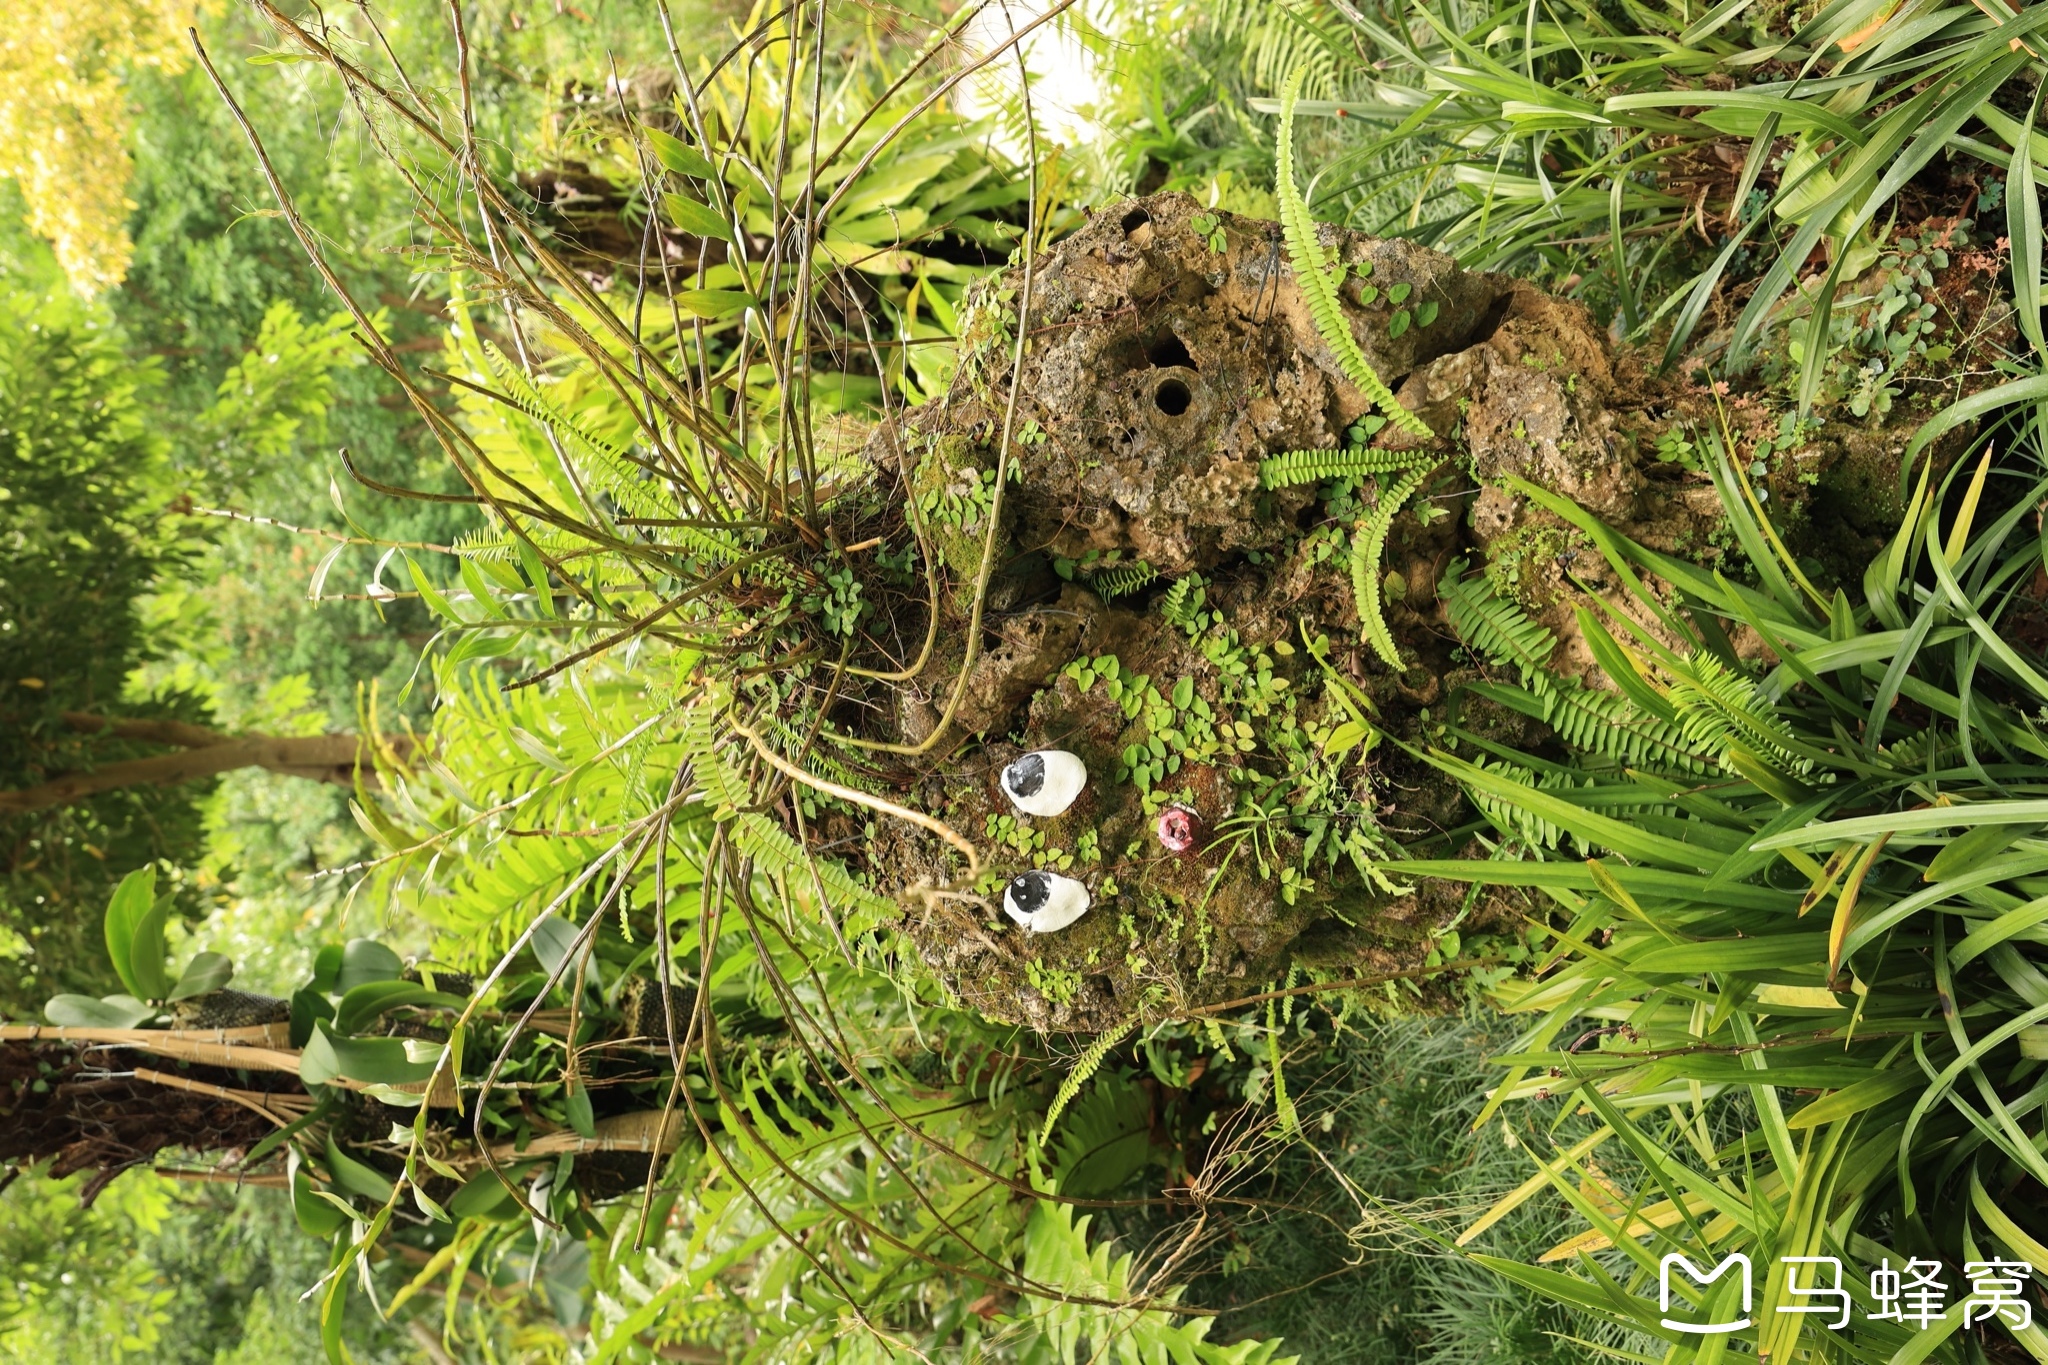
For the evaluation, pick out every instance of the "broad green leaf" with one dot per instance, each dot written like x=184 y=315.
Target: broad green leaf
x=205 y=972
x=307 y=1006
x=326 y=968
x=357 y=1177
x=370 y=1061
x=366 y=1002
x=316 y=1217
x=83 y=1011
x=696 y=218
x=483 y=1193
x=676 y=155
x=1345 y=738
x=576 y=1101
x=147 y=951
x=132 y=902
x=714 y=303
x=553 y=938
x=365 y=960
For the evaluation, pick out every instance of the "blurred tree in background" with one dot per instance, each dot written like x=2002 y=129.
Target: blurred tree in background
x=64 y=117
x=86 y=529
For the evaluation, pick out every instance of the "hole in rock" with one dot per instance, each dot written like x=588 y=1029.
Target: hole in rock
x=1172 y=397
x=1168 y=353
x=1135 y=219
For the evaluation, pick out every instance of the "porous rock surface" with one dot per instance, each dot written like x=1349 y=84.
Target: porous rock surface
x=1160 y=371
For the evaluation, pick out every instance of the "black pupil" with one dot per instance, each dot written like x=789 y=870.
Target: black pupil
x=1027 y=775
x=1029 y=891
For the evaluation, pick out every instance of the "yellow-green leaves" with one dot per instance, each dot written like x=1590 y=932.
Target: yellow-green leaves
x=1973 y=847
x=676 y=155
x=696 y=218
x=1845 y=904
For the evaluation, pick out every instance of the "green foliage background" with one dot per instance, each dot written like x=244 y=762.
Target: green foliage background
x=221 y=378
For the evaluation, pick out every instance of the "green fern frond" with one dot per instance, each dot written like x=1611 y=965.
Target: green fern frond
x=1724 y=713
x=790 y=742
x=1368 y=545
x=1492 y=626
x=1609 y=724
x=1089 y=1062
x=774 y=851
x=714 y=549
x=1312 y=275
x=1513 y=819
x=1313 y=466
x=1924 y=750
x=725 y=789
x=498 y=546
x=1104 y=1139
x=1283 y=1104
x=1121 y=580
x=602 y=462
x=1183 y=602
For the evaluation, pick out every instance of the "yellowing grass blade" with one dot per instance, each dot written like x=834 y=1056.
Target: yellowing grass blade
x=1959 y=534
x=1825 y=883
x=1658 y=1216
x=1845 y=908
x=1522 y=1193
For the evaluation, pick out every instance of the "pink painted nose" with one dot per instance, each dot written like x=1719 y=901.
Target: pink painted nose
x=1177 y=829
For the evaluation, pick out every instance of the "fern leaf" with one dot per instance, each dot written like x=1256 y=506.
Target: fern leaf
x=1722 y=711
x=1313 y=466
x=1182 y=604
x=1368 y=545
x=1313 y=276
x=498 y=546
x=1517 y=821
x=1089 y=1063
x=817 y=760
x=774 y=851
x=1491 y=625
x=1609 y=724
x=603 y=463
x=1283 y=1104
x=1121 y=580
x=724 y=788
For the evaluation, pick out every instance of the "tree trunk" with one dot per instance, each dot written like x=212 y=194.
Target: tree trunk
x=206 y=753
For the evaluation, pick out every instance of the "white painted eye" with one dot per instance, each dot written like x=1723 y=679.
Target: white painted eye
x=1044 y=901
x=1046 y=782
